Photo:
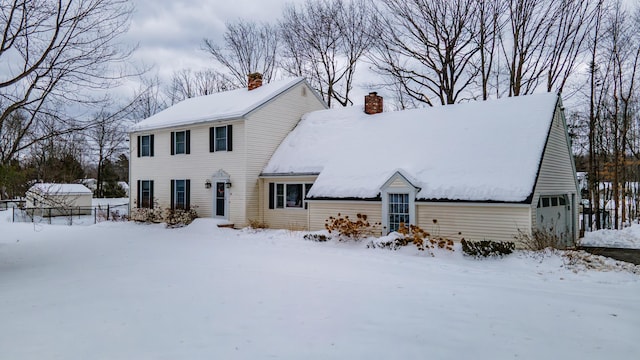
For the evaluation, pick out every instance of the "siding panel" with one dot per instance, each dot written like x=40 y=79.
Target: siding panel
x=319 y=211
x=476 y=222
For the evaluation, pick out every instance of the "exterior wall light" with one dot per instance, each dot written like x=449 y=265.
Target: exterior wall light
x=207 y=184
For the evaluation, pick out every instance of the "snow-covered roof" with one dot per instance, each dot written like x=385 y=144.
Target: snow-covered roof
x=54 y=189
x=477 y=151
x=223 y=105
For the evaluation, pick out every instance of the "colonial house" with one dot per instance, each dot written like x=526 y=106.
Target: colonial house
x=275 y=154
x=209 y=151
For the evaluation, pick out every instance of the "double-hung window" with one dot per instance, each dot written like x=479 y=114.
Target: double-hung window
x=145 y=145
x=221 y=138
x=145 y=194
x=180 y=194
x=180 y=142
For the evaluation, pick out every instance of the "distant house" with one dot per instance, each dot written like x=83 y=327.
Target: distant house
x=209 y=151
x=487 y=169
x=275 y=154
x=59 y=199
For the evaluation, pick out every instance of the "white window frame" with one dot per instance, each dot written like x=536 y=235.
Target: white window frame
x=183 y=142
x=303 y=186
x=141 y=193
x=142 y=146
x=216 y=139
x=176 y=203
x=407 y=189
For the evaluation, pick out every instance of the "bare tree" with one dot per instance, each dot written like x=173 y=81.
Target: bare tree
x=490 y=23
x=107 y=136
x=248 y=48
x=529 y=33
x=53 y=50
x=149 y=99
x=428 y=46
x=186 y=84
x=323 y=40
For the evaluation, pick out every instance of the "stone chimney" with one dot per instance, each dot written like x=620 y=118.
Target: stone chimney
x=372 y=103
x=254 y=80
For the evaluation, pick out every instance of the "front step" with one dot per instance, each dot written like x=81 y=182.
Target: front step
x=229 y=226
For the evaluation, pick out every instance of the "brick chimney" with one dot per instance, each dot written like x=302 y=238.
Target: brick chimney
x=372 y=103
x=254 y=80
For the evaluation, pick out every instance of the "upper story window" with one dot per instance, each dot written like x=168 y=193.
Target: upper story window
x=221 y=138
x=145 y=145
x=180 y=142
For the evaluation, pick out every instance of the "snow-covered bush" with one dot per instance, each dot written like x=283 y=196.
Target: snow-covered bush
x=147 y=215
x=180 y=217
x=487 y=248
x=348 y=229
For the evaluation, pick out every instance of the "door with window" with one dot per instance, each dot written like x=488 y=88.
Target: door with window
x=220 y=201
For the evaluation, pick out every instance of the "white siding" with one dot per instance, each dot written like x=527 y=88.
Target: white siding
x=320 y=211
x=557 y=171
x=266 y=128
x=198 y=166
x=475 y=221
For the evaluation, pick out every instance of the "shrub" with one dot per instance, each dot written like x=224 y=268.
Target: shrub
x=257 y=224
x=486 y=248
x=540 y=239
x=392 y=244
x=351 y=229
x=317 y=237
x=147 y=215
x=180 y=217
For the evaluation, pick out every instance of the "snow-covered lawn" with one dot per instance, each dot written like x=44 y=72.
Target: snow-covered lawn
x=628 y=237
x=130 y=291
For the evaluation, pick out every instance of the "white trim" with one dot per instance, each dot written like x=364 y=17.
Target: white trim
x=408 y=189
x=220 y=176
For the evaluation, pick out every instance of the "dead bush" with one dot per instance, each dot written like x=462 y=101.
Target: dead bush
x=257 y=224
x=424 y=240
x=349 y=229
x=540 y=239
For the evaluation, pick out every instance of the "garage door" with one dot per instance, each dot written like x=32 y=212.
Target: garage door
x=553 y=214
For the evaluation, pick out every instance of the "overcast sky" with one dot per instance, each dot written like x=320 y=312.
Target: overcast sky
x=169 y=33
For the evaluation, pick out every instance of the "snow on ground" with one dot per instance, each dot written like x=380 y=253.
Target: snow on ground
x=132 y=291
x=628 y=237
